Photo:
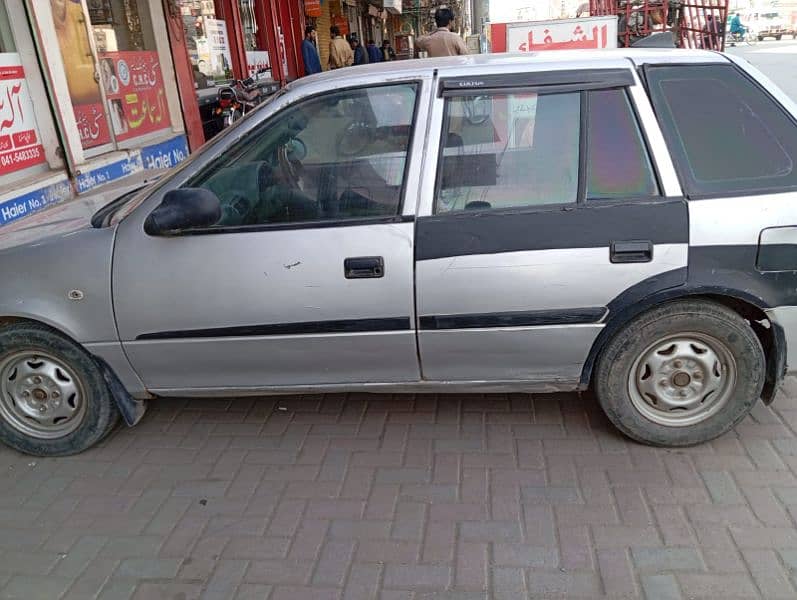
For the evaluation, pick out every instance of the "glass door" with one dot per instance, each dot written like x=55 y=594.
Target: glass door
x=82 y=75
x=129 y=66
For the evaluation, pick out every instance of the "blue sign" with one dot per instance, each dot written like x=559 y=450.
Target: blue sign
x=34 y=201
x=96 y=177
x=166 y=154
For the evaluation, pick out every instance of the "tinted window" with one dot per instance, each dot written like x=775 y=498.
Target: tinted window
x=726 y=134
x=618 y=165
x=509 y=150
x=332 y=157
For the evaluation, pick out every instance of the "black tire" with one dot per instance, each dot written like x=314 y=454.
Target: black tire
x=778 y=38
x=688 y=317
x=100 y=415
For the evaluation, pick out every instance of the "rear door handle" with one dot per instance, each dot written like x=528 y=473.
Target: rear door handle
x=364 y=267
x=631 y=252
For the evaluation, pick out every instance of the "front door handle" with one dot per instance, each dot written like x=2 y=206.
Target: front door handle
x=631 y=252
x=364 y=267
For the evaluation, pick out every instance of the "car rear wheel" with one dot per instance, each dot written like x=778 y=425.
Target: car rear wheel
x=681 y=374
x=53 y=398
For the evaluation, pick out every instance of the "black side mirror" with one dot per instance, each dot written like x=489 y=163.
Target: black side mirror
x=185 y=208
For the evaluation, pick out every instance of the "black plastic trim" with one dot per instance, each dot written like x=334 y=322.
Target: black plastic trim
x=302 y=328
x=592 y=225
x=535 y=318
x=580 y=79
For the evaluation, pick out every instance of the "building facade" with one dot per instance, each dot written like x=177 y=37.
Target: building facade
x=88 y=95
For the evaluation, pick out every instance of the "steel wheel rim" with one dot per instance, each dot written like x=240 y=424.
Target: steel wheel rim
x=681 y=380
x=40 y=396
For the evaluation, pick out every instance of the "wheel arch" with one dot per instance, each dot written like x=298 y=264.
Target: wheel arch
x=131 y=409
x=747 y=306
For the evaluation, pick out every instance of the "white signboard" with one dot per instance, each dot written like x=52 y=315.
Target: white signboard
x=20 y=145
x=218 y=46
x=591 y=33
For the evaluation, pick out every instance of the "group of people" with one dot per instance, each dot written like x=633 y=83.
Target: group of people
x=345 y=52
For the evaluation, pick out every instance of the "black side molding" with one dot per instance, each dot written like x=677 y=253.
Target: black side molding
x=303 y=328
x=535 y=318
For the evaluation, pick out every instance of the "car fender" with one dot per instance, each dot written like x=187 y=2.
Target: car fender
x=635 y=301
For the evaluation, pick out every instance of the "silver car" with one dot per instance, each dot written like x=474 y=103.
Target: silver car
x=624 y=221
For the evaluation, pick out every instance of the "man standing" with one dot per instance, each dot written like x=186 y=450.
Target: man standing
x=387 y=51
x=360 y=55
x=374 y=53
x=442 y=42
x=340 y=52
x=312 y=63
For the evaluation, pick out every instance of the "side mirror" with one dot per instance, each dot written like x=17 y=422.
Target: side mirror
x=185 y=208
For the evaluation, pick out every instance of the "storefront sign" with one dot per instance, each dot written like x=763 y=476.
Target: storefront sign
x=166 y=154
x=135 y=91
x=342 y=24
x=32 y=202
x=567 y=34
x=218 y=47
x=312 y=8
x=20 y=146
x=84 y=90
x=107 y=173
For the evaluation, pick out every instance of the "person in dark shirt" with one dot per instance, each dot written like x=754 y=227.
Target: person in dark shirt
x=312 y=63
x=374 y=53
x=360 y=55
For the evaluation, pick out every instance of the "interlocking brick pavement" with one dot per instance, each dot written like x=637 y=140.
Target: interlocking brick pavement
x=401 y=497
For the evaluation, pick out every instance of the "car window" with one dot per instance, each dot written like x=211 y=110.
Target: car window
x=509 y=150
x=725 y=133
x=618 y=164
x=336 y=156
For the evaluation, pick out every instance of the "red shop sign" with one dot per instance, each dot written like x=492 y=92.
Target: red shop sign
x=312 y=8
x=136 y=94
x=20 y=146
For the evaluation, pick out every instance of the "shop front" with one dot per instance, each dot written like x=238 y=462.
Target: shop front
x=90 y=98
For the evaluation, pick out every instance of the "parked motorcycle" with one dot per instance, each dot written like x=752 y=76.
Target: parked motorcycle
x=237 y=100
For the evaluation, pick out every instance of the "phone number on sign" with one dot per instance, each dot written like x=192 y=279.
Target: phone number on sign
x=18 y=159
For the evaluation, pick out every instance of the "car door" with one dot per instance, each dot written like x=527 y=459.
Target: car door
x=307 y=277
x=549 y=211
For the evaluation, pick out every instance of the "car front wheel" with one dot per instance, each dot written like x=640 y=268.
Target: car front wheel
x=53 y=398
x=681 y=374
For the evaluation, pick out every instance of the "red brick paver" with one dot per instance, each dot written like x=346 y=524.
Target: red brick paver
x=403 y=497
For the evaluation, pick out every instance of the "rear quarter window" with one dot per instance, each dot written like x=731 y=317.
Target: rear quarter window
x=726 y=134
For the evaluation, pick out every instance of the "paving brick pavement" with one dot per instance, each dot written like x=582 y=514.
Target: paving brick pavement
x=403 y=497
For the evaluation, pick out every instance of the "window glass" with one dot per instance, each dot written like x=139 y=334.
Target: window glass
x=207 y=40
x=618 y=165
x=725 y=133
x=130 y=68
x=509 y=150
x=336 y=156
x=6 y=39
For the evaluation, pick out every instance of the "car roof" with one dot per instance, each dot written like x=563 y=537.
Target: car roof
x=512 y=61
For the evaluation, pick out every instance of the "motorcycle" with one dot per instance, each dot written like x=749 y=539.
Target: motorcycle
x=237 y=100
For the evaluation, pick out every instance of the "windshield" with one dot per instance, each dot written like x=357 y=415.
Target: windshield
x=125 y=208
